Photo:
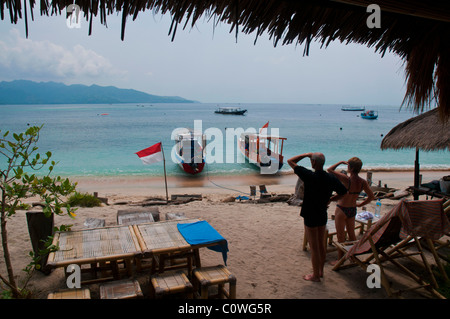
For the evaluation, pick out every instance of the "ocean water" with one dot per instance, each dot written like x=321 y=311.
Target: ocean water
x=102 y=139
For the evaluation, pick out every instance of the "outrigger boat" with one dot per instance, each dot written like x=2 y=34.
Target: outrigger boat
x=369 y=115
x=230 y=110
x=189 y=151
x=264 y=151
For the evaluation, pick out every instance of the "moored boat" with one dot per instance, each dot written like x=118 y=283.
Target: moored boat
x=189 y=151
x=230 y=110
x=264 y=151
x=369 y=115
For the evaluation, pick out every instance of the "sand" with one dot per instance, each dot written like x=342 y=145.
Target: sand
x=265 y=240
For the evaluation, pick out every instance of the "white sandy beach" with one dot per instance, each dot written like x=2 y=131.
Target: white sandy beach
x=265 y=240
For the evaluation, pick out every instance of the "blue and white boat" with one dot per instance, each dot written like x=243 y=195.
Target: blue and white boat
x=369 y=115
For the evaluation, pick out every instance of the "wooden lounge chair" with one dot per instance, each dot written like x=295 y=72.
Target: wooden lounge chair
x=263 y=192
x=389 y=239
x=436 y=245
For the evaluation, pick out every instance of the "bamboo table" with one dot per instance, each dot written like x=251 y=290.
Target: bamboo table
x=101 y=248
x=365 y=223
x=163 y=239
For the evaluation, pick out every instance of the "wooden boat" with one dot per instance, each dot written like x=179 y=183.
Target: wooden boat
x=230 y=110
x=189 y=151
x=353 y=108
x=369 y=115
x=264 y=151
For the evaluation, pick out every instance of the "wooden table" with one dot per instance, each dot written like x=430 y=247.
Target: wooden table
x=101 y=248
x=163 y=239
x=366 y=223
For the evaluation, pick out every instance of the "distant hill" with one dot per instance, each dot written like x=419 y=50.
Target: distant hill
x=29 y=92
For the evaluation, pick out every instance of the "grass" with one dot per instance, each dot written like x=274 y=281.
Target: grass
x=83 y=200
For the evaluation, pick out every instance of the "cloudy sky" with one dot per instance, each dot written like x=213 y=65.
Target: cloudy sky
x=204 y=63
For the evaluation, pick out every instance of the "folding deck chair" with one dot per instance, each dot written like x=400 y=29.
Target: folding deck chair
x=392 y=235
x=435 y=245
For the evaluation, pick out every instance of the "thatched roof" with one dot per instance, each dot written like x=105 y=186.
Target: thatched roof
x=418 y=31
x=425 y=132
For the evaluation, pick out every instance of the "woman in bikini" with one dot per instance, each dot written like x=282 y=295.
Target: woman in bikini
x=346 y=205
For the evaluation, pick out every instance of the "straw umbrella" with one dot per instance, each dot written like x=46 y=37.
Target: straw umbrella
x=424 y=132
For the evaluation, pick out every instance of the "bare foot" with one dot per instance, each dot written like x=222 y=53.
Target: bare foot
x=311 y=277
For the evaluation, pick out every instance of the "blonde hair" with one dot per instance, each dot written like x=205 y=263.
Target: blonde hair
x=354 y=164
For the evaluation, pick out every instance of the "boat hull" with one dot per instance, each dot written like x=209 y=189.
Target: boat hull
x=232 y=113
x=369 y=115
x=190 y=168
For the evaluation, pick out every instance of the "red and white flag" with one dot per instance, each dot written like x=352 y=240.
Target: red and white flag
x=152 y=154
x=265 y=126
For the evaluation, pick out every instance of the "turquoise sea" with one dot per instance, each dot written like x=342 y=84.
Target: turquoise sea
x=102 y=139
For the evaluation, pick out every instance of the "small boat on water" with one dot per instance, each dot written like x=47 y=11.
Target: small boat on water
x=189 y=151
x=369 y=115
x=353 y=108
x=230 y=110
x=264 y=151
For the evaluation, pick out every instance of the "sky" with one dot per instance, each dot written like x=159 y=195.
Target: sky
x=205 y=63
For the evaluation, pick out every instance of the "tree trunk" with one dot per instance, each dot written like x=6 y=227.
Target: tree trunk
x=7 y=256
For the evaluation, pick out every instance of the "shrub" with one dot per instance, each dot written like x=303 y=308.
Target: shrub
x=83 y=200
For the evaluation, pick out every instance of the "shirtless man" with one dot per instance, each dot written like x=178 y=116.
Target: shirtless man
x=319 y=186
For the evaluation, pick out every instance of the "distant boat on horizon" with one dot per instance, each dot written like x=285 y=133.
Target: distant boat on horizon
x=231 y=110
x=353 y=108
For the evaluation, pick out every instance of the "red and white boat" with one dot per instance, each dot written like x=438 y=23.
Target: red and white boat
x=264 y=151
x=189 y=151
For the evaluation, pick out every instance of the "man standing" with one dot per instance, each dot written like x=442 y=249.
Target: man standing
x=319 y=186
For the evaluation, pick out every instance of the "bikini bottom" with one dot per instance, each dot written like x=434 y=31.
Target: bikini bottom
x=350 y=212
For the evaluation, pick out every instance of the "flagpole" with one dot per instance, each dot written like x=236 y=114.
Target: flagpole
x=165 y=176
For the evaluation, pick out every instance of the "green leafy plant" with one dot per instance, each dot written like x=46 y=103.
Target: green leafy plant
x=83 y=200
x=19 y=160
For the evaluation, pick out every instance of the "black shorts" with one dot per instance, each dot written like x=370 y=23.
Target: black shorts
x=315 y=220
